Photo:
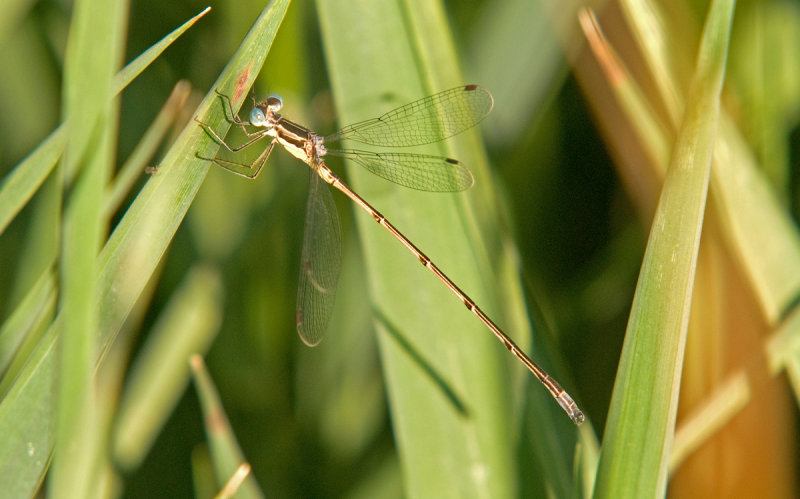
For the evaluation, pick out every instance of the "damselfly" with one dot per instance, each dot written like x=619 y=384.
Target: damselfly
x=425 y=121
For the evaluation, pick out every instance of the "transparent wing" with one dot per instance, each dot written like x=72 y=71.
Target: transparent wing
x=417 y=171
x=425 y=121
x=321 y=263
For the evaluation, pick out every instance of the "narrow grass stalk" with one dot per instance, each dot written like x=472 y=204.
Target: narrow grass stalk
x=93 y=55
x=639 y=431
x=160 y=373
x=226 y=454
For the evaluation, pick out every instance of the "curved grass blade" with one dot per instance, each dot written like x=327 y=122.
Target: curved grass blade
x=226 y=454
x=748 y=205
x=35 y=309
x=127 y=261
x=23 y=181
x=641 y=422
x=159 y=375
x=137 y=243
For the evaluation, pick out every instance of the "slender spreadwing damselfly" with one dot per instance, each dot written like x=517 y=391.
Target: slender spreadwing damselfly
x=425 y=121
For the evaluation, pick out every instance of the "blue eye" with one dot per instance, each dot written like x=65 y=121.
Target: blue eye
x=257 y=117
x=274 y=102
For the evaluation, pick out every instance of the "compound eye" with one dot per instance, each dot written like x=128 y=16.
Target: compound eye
x=274 y=103
x=257 y=117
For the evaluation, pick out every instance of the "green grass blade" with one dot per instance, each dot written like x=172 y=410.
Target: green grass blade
x=529 y=27
x=436 y=413
x=93 y=56
x=160 y=373
x=23 y=181
x=141 y=237
x=37 y=306
x=126 y=262
x=27 y=423
x=133 y=167
x=136 y=66
x=750 y=209
x=226 y=454
x=454 y=409
x=638 y=434
x=19 y=186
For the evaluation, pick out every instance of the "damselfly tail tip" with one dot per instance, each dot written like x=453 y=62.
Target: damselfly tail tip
x=570 y=407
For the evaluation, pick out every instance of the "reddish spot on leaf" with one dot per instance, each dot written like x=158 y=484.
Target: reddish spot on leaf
x=242 y=83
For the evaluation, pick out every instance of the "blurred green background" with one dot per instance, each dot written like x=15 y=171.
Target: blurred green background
x=314 y=422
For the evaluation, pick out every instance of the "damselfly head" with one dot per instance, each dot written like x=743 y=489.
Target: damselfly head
x=271 y=106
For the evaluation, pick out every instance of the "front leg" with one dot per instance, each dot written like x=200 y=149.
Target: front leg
x=234 y=117
x=257 y=135
x=254 y=167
